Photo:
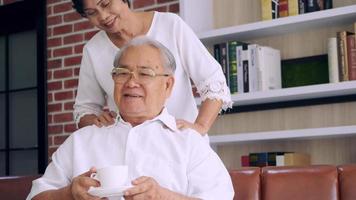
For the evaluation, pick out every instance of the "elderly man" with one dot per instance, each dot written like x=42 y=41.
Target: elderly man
x=164 y=162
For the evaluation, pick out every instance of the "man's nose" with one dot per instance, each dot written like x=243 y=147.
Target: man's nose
x=133 y=80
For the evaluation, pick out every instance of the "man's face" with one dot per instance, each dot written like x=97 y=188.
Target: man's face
x=142 y=99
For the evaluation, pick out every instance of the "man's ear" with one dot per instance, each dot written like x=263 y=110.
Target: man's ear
x=169 y=85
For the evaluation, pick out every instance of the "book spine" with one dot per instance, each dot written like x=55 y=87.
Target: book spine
x=266 y=9
x=240 y=85
x=252 y=70
x=275 y=11
x=223 y=61
x=351 y=56
x=302 y=6
x=283 y=8
x=245 y=66
x=332 y=60
x=319 y=4
x=328 y=4
x=293 y=7
x=342 y=56
x=311 y=5
x=232 y=66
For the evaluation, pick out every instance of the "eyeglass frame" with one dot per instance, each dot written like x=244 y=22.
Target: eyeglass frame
x=132 y=72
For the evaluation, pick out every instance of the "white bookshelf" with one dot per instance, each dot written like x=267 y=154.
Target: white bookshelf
x=294 y=93
x=336 y=16
x=310 y=133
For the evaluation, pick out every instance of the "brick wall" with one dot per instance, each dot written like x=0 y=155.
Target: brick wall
x=67 y=32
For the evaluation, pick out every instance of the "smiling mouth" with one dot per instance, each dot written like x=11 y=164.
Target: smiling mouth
x=133 y=96
x=110 y=23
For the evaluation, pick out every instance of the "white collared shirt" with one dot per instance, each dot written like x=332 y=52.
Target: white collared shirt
x=180 y=161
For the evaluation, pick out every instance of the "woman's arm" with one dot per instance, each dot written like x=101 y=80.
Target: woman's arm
x=208 y=111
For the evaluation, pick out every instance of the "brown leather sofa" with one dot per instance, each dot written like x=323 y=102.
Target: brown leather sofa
x=295 y=183
x=253 y=183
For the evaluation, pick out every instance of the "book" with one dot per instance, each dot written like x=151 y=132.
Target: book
x=333 y=61
x=283 y=8
x=293 y=7
x=351 y=56
x=342 y=55
x=252 y=68
x=302 y=4
x=224 y=61
x=232 y=66
x=269 y=9
x=245 y=161
x=305 y=71
x=269 y=68
x=280 y=160
x=263 y=159
x=328 y=4
x=242 y=68
x=313 y=5
x=296 y=159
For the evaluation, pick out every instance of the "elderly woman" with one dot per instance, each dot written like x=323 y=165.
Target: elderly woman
x=118 y=25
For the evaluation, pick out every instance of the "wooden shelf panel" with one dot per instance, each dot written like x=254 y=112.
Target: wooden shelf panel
x=295 y=93
x=325 y=18
x=326 y=132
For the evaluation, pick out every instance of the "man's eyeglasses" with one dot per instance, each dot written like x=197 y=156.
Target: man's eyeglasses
x=143 y=75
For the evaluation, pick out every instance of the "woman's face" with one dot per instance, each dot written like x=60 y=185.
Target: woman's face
x=107 y=15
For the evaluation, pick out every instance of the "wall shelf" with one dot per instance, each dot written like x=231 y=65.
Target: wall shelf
x=325 y=132
x=295 y=93
x=326 y=18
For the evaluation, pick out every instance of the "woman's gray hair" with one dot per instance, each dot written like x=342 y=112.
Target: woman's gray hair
x=167 y=57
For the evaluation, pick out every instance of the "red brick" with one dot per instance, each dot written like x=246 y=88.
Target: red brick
x=71 y=83
x=63 y=95
x=83 y=26
x=51 y=2
x=78 y=48
x=55 y=129
x=49 y=97
x=54 y=20
x=174 y=8
x=49 y=32
x=51 y=150
x=62 y=7
x=54 y=85
x=63 y=51
x=58 y=140
x=89 y=35
x=50 y=141
x=49 y=75
x=49 y=10
x=142 y=3
x=54 y=107
x=70 y=128
x=54 y=42
x=159 y=9
x=63 y=73
x=51 y=64
x=62 y=29
x=164 y=1
x=68 y=105
x=49 y=119
x=73 y=39
x=76 y=71
x=73 y=16
x=63 y=117
x=72 y=61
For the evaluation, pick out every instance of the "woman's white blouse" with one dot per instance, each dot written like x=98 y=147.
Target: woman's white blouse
x=193 y=61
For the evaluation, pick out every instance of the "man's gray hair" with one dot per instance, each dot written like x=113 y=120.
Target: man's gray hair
x=167 y=57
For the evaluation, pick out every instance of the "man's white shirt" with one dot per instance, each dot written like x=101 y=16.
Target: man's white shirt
x=179 y=160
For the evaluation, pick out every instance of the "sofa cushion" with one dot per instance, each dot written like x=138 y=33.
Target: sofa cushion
x=246 y=183
x=347 y=181
x=307 y=183
x=16 y=187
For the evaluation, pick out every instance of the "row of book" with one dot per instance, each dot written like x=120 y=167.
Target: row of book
x=263 y=159
x=342 y=56
x=249 y=67
x=272 y=9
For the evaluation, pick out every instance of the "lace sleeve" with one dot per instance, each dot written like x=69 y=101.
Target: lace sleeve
x=215 y=90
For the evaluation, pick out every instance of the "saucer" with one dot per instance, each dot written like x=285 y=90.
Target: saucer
x=108 y=192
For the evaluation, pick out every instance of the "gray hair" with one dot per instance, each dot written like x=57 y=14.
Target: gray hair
x=167 y=57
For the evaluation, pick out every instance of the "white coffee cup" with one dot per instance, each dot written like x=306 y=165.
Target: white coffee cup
x=111 y=176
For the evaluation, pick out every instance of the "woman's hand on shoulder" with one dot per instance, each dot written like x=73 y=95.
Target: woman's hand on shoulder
x=107 y=118
x=182 y=124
